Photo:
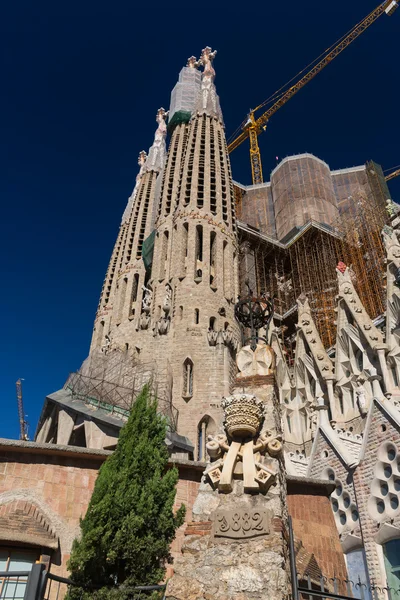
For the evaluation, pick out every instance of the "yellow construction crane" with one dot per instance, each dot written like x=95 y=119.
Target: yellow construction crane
x=253 y=127
x=23 y=424
x=392 y=175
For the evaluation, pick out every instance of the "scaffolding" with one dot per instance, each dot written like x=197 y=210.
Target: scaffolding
x=306 y=264
x=112 y=381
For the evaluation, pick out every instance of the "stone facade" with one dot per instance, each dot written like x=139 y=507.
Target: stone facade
x=328 y=451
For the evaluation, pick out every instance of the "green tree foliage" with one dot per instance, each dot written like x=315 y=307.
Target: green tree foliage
x=130 y=523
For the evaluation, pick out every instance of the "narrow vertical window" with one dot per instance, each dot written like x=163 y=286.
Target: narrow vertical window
x=187 y=391
x=184 y=247
x=199 y=253
x=134 y=294
x=213 y=245
x=164 y=255
x=212 y=324
x=226 y=271
x=181 y=312
x=196 y=316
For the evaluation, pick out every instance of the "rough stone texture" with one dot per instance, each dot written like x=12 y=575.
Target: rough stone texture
x=230 y=569
x=234 y=569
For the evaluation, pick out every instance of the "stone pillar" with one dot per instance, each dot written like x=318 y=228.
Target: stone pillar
x=235 y=546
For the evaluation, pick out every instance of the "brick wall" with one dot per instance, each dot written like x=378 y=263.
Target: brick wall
x=44 y=491
x=314 y=525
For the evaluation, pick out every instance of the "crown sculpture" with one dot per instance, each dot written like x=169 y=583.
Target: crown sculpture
x=240 y=454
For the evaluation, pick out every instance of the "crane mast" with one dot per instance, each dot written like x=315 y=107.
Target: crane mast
x=23 y=425
x=253 y=127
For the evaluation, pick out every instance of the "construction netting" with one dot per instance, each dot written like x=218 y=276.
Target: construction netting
x=185 y=92
x=112 y=381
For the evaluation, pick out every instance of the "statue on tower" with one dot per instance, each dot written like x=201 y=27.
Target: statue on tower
x=141 y=162
x=208 y=96
x=157 y=152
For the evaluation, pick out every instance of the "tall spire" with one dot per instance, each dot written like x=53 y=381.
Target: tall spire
x=157 y=153
x=208 y=101
x=141 y=161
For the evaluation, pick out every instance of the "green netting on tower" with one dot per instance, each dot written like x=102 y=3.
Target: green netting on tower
x=148 y=249
x=181 y=116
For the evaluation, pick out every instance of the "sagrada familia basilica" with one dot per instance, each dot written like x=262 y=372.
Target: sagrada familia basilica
x=270 y=332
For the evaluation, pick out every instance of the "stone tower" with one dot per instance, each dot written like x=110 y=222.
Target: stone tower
x=194 y=275
x=177 y=310
x=117 y=316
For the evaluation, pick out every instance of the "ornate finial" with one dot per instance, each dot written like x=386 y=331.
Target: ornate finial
x=157 y=152
x=208 y=100
x=161 y=115
x=142 y=158
x=207 y=55
x=192 y=62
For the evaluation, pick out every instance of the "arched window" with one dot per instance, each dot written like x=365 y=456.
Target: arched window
x=187 y=387
x=205 y=428
x=212 y=323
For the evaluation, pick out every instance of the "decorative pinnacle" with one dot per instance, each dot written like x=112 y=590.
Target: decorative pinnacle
x=192 y=62
x=142 y=158
x=207 y=55
x=161 y=114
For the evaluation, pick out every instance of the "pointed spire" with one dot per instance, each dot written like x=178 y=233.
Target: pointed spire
x=141 y=162
x=307 y=325
x=157 y=153
x=348 y=294
x=208 y=101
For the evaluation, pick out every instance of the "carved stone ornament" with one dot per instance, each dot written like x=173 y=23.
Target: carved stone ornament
x=241 y=452
x=241 y=523
x=259 y=362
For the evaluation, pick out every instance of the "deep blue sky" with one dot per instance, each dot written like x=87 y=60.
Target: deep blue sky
x=81 y=83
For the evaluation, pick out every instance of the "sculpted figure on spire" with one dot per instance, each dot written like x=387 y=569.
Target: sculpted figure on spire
x=141 y=161
x=157 y=152
x=208 y=98
x=192 y=62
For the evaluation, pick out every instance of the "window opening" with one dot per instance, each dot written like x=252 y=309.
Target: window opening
x=187 y=391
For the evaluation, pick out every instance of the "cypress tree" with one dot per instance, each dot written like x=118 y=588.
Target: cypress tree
x=130 y=524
